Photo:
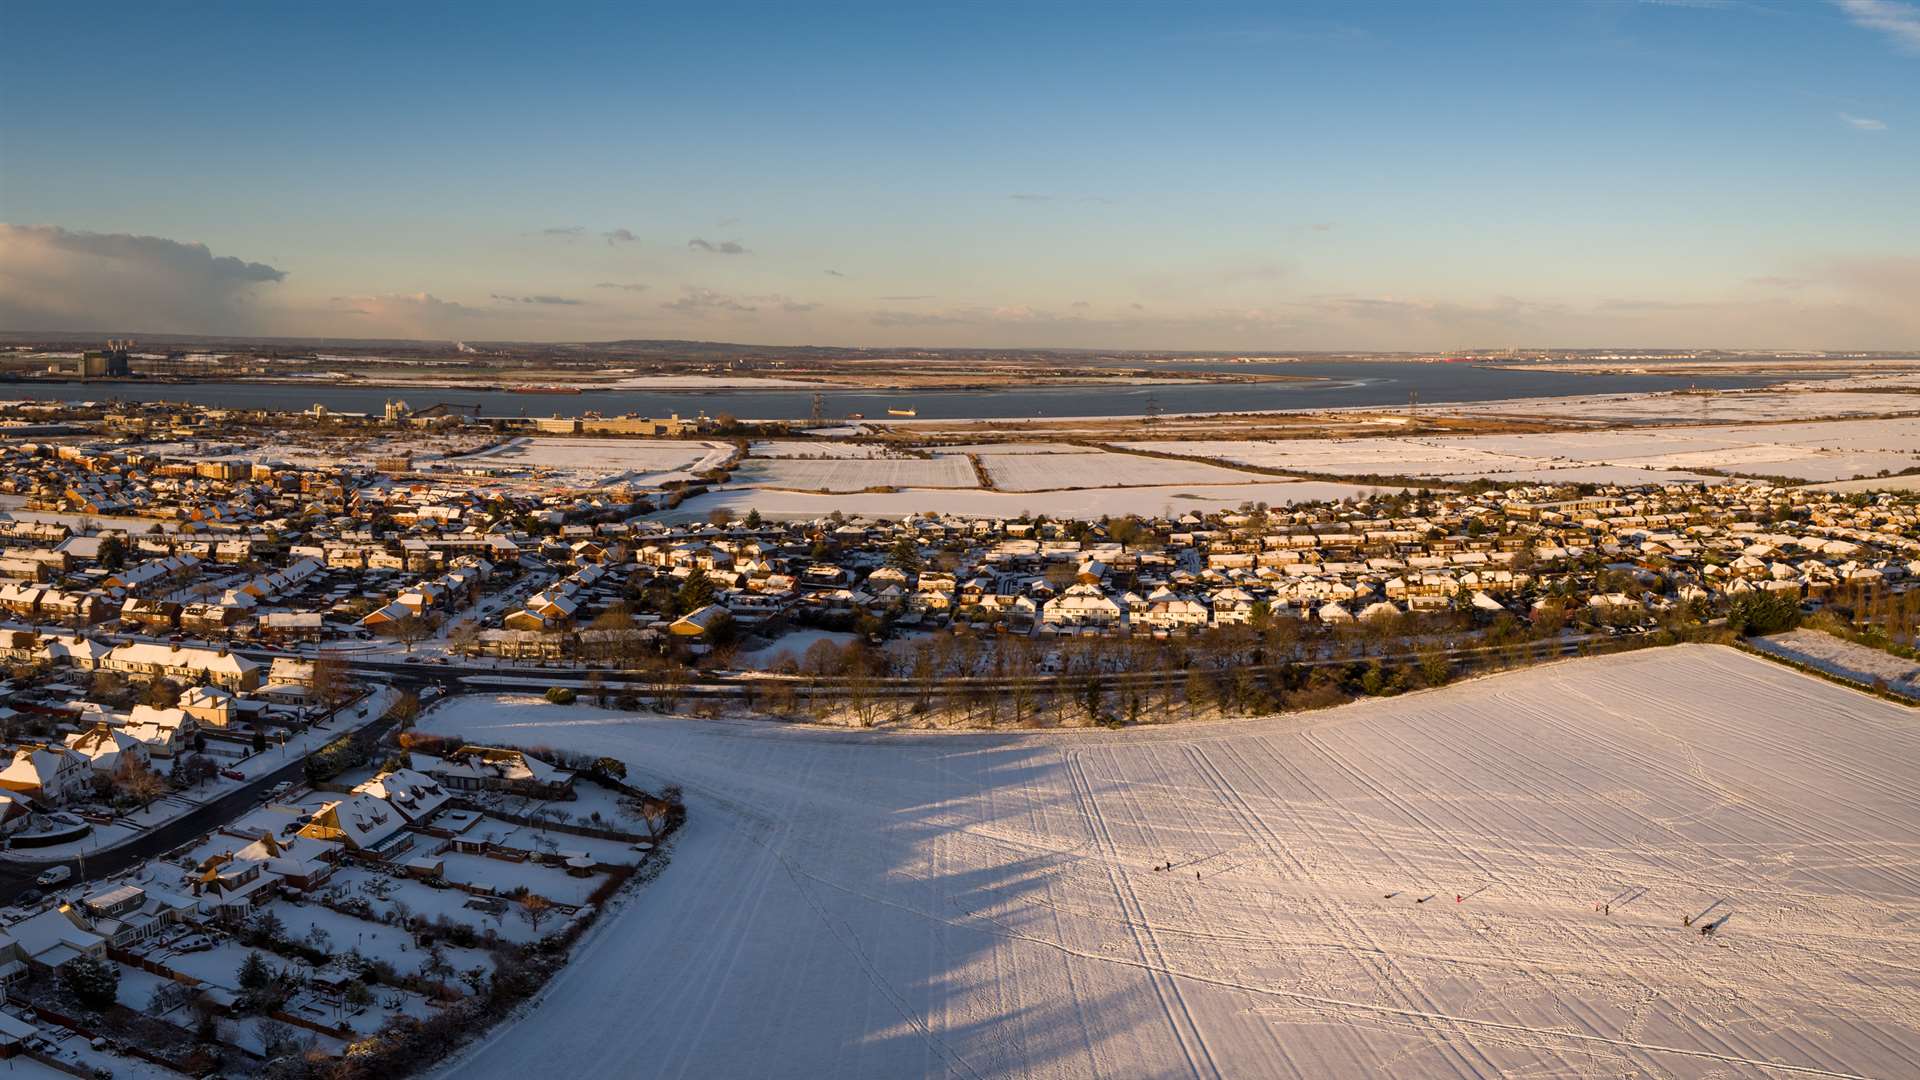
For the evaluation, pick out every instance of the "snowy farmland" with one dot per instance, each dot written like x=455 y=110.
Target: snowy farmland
x=1832 y=450
x=1085 y=503
x=886 y=905
x=1022 y=471
x=858 y=473
x=598 y=462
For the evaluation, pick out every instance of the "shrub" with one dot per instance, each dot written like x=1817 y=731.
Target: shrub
x=560 y=695
x=1762 y=612
x=94 y=983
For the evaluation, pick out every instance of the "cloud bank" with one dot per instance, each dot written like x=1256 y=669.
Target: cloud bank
x=58 y=279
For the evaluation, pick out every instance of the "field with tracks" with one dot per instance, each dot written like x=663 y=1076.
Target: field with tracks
x=1483 y=881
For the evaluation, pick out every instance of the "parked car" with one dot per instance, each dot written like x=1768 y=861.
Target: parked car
x=29 y=898
x=53 y=876
x=280 y=788
x=233 y=774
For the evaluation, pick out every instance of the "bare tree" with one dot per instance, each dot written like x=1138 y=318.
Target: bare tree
x=534 y=910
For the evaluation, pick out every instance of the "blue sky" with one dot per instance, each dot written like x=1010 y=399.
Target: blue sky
x=1210 y=176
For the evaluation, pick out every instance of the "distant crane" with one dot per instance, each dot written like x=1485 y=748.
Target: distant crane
x=816 y=410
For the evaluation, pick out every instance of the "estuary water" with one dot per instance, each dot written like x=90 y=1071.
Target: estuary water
x=1332 y=384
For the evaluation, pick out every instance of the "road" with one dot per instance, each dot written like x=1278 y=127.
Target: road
x=16 y=876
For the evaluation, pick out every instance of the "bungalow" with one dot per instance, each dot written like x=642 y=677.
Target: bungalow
x=125 y=914
x=489 y=768
x=53 y=939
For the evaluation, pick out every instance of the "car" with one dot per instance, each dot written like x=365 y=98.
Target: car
x=29 y=898
x=280 y=788
x=53 y=876
x=413 y=659
x=233 y=774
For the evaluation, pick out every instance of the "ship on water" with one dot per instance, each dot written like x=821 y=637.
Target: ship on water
x=908 y=411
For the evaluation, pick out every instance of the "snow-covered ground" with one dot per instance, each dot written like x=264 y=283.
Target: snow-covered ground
x=792 y=645
x=1833 y=450
x=888 y=905
x=1844 y=658
x=1089 y=503
x=859 y=473
x=595 y=462
x=1024 y=471
x=1789 y=401
x=819 y=448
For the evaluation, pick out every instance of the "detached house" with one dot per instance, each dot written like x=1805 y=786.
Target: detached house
x=488 y=768
x=362 y=824
x=48 y=774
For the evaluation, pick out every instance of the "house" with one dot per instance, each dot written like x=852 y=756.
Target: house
x=415 y=795
x=303 y=862
x=83 y=653
x=109 y=749
x=164 y=732
x=487 y=768
x=209 y=706
x=53 y=939
x=230 y=886
x=1081 y=605
x=701 y=622
x=127 y=914
x=47 y=774
x=363 y=824
x=185 y=664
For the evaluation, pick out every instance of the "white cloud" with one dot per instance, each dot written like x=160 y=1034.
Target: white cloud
x=58 y=279
x=1863 y=123
x=1897 y=20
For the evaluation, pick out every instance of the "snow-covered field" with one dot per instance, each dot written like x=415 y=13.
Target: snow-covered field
x=1086 y=503
x=1098 y=469
x=819 y=448
x=886 y=905
x=1787 y=402
x=856 y=474
x=1833 y=450
x=594 y=462
x=1845 y=659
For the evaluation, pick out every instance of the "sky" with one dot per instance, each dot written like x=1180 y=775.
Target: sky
x=1209 y=176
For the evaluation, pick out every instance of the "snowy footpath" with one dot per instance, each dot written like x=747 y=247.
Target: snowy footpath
x=1508 y=877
